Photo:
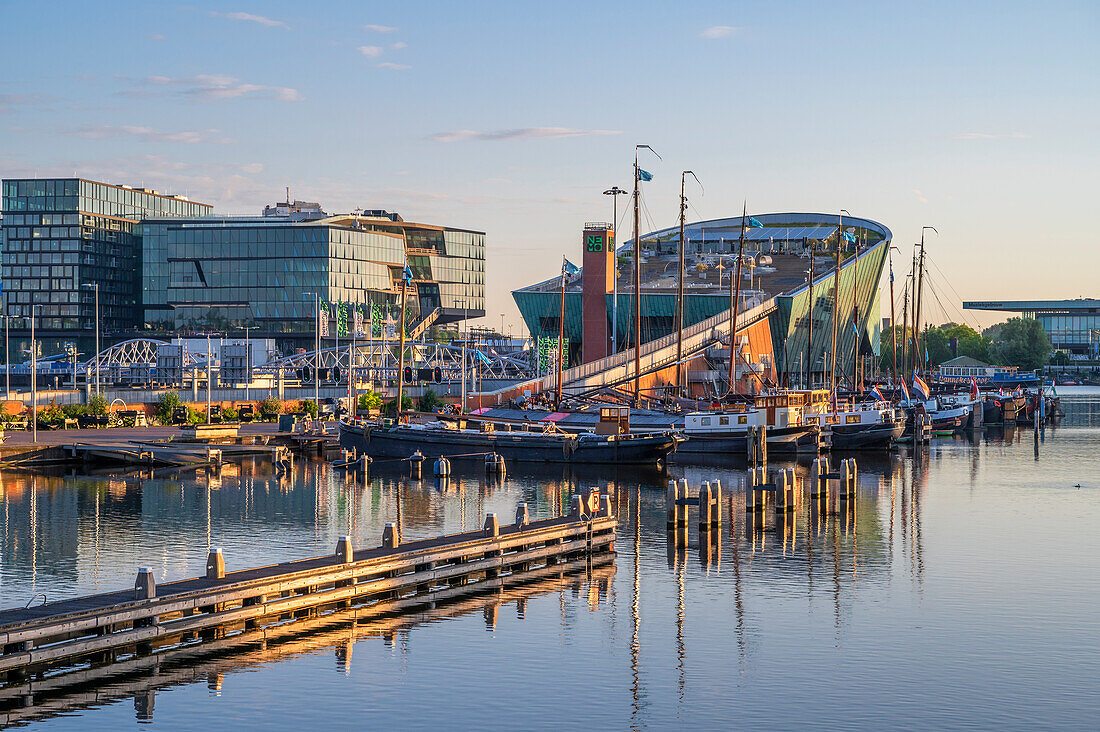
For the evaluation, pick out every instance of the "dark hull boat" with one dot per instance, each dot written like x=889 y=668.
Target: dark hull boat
x=402 y=441
x=781 y=440
x=867 y=436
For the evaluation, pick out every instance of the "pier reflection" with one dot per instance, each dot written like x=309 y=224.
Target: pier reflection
x=142 y=677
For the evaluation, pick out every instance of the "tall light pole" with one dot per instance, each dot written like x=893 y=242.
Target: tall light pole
x=615 y=192
x=836 y=304
x=317 y=350
x=95 y=285
x=34 y=380
x=7 y=352
x=248 y=358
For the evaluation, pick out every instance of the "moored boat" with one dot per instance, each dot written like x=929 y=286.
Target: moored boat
x=438 y=439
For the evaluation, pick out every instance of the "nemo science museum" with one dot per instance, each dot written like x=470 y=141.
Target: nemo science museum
x=789 y=291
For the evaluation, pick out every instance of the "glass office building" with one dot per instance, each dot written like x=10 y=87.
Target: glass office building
x=59 y=235
x=1073 y=325
x=227 y=273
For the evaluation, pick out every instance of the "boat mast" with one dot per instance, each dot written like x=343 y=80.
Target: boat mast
x=917 y=303
x=809 y=365
x=905 y=329
x=637 y=289
x=855 y=320
x=893 y=323
x=836 y=306
x=735 y=296
x=405 y=281
x=680 y=385
x=561 y=330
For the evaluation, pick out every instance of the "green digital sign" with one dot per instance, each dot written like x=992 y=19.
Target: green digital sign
x=594 y=243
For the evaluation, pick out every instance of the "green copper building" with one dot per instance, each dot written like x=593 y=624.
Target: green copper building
x=775 y=272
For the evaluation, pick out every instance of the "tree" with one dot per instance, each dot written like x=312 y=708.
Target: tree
x=1019 y=342
x=369 y=401
x=166 y=405
x=429 y=402
x=390 y=409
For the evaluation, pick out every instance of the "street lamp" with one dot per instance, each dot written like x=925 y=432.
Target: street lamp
x=317 y=350
x=95 y=285
x=615 y=192
x=34 y=380
x=7 y=352
x=248 y=358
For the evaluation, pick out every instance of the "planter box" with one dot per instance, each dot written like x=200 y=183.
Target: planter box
x=209 y=431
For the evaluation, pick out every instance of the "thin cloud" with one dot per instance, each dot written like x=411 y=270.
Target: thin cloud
x=371 y=51
x=399 y=45
x=991 y=136
x=148 y=134
x=260 y=19
x=9 y=102
x=156 y=36
x=920 y=196
x=216 y=87
x=718 y=31
x=380 y=28
x=393 y=66
x=521 y=133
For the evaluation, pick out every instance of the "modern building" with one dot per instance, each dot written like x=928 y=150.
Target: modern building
x=165 y=266
x=62 y=236
x=1073 y=325
x=775 y=271
x=270 y=273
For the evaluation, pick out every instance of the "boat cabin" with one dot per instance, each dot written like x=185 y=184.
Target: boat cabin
x=613 y=421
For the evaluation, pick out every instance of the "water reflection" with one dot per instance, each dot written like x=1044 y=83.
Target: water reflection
x=936 y=573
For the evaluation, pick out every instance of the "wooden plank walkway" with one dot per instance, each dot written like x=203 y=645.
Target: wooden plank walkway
x=140 y=677
x=97 y=626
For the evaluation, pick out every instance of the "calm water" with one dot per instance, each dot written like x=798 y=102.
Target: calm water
x=963 y=595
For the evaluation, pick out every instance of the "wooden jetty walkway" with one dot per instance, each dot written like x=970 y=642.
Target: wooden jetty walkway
x=392 y=577
x=141 y=677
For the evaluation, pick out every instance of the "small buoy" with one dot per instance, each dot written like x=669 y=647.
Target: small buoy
x=494 y=463
x=442 y=467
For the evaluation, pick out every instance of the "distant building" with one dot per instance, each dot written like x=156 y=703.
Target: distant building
x=224 y=273
x=1073 y=325
x=59 y=235
x=165 y=267
x=295 y=211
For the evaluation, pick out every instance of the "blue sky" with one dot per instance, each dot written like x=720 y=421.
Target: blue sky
x=978 y=118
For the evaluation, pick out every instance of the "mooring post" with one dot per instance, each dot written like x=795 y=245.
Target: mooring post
x=389 y=536
x=818 y=486
x=750 y=491
x=345 y=554
x=576 y=508
x=762 y=444
x=215 y=564
x=750 y=445
x=784 y=491
x=415 y=461
x=523 y=516
x=492 y=526
x=672 y=495
x=710 y=510
x=145 y=587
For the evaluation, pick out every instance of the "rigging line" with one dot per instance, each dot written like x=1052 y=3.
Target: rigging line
x=972 y=323
x=943 y=310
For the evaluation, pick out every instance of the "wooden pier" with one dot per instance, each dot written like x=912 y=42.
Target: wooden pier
x=390 y=578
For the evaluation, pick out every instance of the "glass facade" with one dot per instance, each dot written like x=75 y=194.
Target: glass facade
x=226 y=273
x=61 y=234
x=164 y=264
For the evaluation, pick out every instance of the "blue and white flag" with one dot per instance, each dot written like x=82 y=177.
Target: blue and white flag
x=753 y=223
x=482 y=358
x=568 y=268
x=408 y=274
x=849 y=236
x=644 y=175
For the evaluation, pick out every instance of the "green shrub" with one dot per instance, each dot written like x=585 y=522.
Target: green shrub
x=429 y=401
x=167 y=404
x=370 y=400
x=74 y=411
x=270 y=408
x=309 y=407
x=97 y=404
x=390 y=409
x=229 y=414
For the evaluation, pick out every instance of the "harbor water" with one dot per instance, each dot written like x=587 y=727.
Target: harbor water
x=961 y=593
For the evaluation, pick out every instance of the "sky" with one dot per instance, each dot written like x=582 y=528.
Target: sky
x=979 y=118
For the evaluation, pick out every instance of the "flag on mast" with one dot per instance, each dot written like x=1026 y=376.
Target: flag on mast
x=920 y=387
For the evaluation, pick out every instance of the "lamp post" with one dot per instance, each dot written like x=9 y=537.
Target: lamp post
x=615 y=192
x=248 y=358
x=34 y=380
x=317 y=350
x=7 y=352
x=95 y=285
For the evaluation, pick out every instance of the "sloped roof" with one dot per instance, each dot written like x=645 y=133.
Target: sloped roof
x=966 y=362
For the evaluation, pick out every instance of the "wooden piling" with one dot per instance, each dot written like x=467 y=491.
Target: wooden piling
x=215 y=564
